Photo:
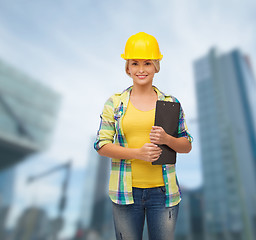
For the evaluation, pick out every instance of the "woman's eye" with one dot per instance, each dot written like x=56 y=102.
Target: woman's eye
x=134 y=63
x=148 y=63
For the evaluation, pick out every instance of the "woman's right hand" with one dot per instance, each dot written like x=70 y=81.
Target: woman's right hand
x=149 y=152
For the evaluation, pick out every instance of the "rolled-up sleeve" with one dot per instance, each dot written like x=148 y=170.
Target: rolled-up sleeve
x=106 y=130
x=183 y=129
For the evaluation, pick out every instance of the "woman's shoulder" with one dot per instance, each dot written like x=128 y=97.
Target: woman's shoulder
x=116 y=97
x=112 y=99
x=166 y=97
x=171 y=98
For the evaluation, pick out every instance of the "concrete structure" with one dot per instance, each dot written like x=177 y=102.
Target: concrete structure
x=7 y=178
x=32 y=224
x=226 y=92
x=189 y=225
x=183 y=229
x=96 y=210
x=28 y=112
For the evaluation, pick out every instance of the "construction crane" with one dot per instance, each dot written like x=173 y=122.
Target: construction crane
x=58 y=222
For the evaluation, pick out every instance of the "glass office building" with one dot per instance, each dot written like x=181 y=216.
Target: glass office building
x=7 y=177
x=226 y=91
x=189 y=224
x=96 y=208
x=28 y=111
x=183 y=229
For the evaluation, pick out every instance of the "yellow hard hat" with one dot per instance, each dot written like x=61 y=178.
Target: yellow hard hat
x=141 y=46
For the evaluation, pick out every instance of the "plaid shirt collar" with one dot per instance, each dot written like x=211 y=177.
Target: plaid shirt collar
x=125 y=95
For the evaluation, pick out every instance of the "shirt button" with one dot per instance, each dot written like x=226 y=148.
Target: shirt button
x=167 y=183
x=164 y=168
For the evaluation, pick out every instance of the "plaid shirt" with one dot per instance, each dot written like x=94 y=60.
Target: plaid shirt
x=110 y=130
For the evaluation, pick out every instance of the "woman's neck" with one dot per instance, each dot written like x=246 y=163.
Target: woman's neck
x=143 y=98
x=143 y=90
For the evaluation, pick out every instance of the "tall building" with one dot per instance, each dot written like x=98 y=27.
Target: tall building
x=7 y=177
x=28 y=112
x=226 y=91
x=189 y=224
x=183 y=229
x=196 y=202
x=96 y=211
x=32 y=224
x=88 y=188
x=101 y=202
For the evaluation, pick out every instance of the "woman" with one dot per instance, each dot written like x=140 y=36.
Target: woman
x=138 y=189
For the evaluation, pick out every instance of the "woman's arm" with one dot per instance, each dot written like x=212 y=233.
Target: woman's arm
x=159 y=136
x=149 y=152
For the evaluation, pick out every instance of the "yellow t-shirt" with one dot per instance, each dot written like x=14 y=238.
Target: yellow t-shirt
x=137 y=125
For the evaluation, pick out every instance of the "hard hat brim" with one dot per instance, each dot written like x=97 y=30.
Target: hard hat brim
x=126 y=58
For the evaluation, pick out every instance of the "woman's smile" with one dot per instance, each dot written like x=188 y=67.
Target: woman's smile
x=141 y=76
x=141 y=69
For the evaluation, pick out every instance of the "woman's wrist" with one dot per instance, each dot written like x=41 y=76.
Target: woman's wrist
x=135 y=153
x=180 y=145
x=114 y=151
x=167 y=139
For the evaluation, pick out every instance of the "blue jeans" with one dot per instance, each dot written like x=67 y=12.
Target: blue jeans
x=149 y=203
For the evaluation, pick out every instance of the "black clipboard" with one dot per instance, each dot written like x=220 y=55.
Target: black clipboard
x=167 y=117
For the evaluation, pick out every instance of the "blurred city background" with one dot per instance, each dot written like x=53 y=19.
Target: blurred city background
x=60 y=61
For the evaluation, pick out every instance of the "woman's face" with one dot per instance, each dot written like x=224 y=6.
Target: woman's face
x=142 y=71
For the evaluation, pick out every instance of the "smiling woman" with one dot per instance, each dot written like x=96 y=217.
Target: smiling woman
x=155 y=62
x=141 y=70
x=127 y=134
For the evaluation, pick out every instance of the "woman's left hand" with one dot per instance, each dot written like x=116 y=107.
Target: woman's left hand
x=158 y=135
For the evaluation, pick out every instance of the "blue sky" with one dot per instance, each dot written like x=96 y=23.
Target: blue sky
x=74 y=47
